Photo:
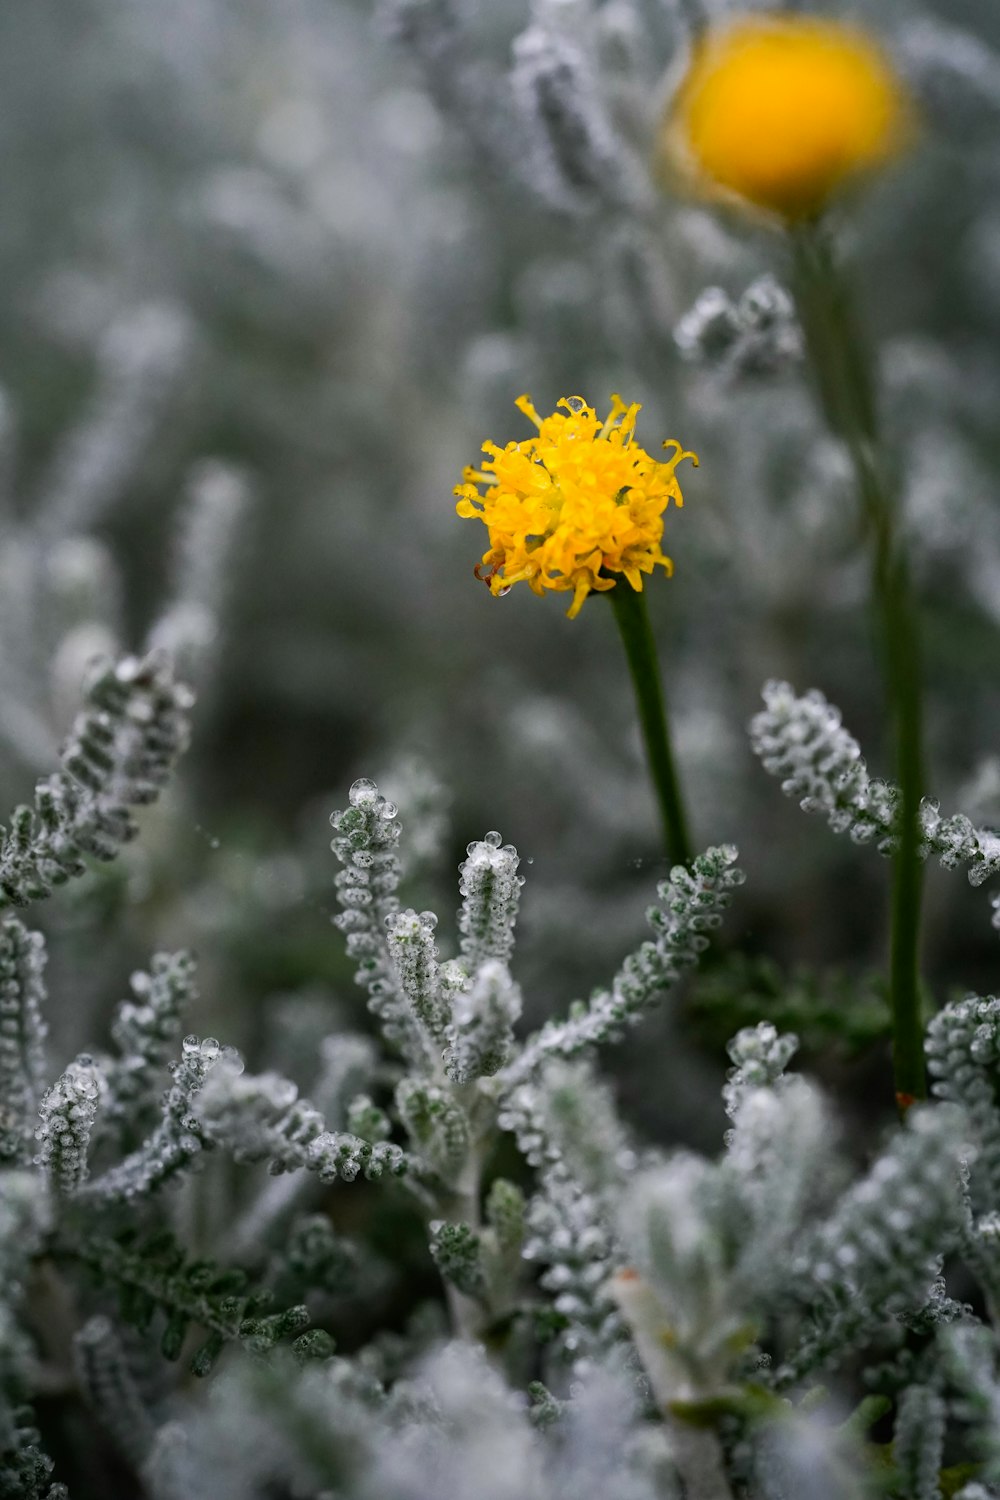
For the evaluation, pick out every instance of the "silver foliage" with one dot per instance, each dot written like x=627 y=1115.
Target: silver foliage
x=802 y=741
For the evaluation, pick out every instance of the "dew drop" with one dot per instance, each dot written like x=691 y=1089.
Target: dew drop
x=190 y=1045
x=362 y=791
x=389 y=810
x=502 y=593
x=429 y=919
x=210 y=1048
x=493 y=838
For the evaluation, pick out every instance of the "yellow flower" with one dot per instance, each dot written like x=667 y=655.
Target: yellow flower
x=782 y=111
x=573 y=505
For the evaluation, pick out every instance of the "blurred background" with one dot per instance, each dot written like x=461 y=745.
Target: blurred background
x=271 y=274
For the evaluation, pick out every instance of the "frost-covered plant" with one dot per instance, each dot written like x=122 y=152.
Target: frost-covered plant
x=452 y=1195
x=802 y=741
x=758 y=334
x=106 y=1141
x=681 y=1307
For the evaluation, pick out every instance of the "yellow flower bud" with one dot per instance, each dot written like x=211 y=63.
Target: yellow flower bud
x=781 y=112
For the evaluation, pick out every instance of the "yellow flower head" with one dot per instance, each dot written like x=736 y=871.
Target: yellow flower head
x=574 y=505
x=782 y=111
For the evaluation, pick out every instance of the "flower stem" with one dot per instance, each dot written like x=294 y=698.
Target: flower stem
x=847 y=394
x=632 y=617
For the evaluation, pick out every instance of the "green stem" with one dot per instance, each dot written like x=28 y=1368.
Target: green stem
x=847 y=394
x=632 y=617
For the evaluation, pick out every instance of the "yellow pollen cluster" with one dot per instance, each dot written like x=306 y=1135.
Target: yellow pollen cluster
x=568 y=509
x=782 y=111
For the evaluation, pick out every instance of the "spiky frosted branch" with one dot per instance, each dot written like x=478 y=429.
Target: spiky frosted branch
x=67 y=1115
x=146 y=1029
x=22 y=1038
x=691 y=904
x=188 y=630
x=141 y=356
x=24 y=1466
x=586 y=162
x=338 y=1155
x=154 y=1274
x=413 y=952
x=179 y=1137
x=778 y=1153
x=491 y=892
x=437 y=1125
x=24 y=1217
x=367 y=834
x=262 y=1118
x=346 y=1066
x=457 y=1253
x=119 y=755
x=918 y=1442
x=879 y=1251
x=760 y=1054
x=963 y=1059
x=802 y=741
x=566 y=1127
x=111 y=1389
x=971 y=1362
x=481 y=1035
x=757 y=335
